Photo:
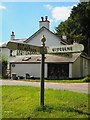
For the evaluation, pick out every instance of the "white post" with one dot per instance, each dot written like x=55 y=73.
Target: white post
x=70 y=70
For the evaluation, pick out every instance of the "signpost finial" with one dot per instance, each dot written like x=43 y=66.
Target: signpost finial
x=43 y=39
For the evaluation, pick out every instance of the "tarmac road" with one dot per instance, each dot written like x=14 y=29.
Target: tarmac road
x=76 y=87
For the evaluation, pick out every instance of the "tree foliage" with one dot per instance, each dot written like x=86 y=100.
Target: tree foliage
x=3 y=58
x=3 y=66
x=77 y=26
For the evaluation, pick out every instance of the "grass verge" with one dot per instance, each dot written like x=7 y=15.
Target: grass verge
x=84 y=80
x=23 y=102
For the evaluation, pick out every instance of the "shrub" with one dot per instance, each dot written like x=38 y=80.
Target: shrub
x=86 y=79
x=3 y=66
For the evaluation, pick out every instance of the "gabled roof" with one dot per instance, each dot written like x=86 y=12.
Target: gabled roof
x=3 y=45
x=20 y=40
x=41 y=29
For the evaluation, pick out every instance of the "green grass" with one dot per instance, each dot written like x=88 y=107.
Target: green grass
x=59 y=81
x=66 y=81
x=0 y=102
x=24 y=102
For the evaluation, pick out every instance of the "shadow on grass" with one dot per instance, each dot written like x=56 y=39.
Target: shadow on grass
x=49 y=109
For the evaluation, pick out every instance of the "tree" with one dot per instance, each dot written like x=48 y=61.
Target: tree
x=77 y=26
x=82 y=14
x=69 y=28
x=3 y=66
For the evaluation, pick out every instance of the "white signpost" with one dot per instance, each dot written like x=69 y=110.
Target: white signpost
x=22 y=47
x=32 y=49
x=64 y=49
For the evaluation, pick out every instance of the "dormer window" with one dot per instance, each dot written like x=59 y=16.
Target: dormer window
x=26 y=58
x=38 y=59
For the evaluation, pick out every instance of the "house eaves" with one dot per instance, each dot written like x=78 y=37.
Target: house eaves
x=20 y=40
x=49 y=58
x=3 y=45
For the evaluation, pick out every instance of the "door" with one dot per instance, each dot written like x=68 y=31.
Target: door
x=58 y=71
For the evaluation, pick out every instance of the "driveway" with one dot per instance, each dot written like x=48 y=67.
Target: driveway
x=76 y=87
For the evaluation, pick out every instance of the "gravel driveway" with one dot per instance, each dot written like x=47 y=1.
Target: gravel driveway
x=76 y=87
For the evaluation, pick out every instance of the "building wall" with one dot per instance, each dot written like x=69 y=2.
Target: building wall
x=32 y=69
x=80 y=68
x=51 y=40
x=76 y=69
x=70 y=70
x=5 y=52
x=85 y=67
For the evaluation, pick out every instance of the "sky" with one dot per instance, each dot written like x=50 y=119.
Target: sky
x=23 y=17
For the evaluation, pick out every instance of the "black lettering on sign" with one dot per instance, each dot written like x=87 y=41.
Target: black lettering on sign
x=62 y=49
x=57 y=49
x=69 y=48
x=53 y=49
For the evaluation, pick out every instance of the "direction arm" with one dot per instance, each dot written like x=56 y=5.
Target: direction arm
x=23 y=46
x=65 y=48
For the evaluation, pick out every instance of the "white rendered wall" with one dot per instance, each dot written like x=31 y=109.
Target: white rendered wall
x=51 y=39
x=5 y=52
x=33 y=69
x=85 y=67
x=44 y=23
x=70 y=70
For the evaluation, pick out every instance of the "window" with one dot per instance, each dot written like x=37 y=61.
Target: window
x=26 y=58
x=38 y=59
x=13 y=65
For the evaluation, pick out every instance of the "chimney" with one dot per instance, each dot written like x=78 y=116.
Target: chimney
x=46 y=18
x=75 y=42
x=12 y=36
x=64 y=37
x=42 y=19
x=44 y=22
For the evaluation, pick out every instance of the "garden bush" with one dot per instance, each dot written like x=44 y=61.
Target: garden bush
x=86 y=79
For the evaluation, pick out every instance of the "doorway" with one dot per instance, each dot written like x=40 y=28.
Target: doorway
x=58 y=71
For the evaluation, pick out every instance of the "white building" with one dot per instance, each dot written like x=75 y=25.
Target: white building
x=7 y=53
x=76 y=65
x=56 y=66
x=44 y=29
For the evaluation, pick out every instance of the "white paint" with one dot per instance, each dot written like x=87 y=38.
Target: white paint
x=51 y=39
x=5 y=51
x=32 y=69
x=70 y=70
x=66 y=48
x=12 y=36
x=44 y=24
x=85 y=67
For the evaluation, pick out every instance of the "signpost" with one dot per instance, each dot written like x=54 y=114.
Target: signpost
x=43 y=39
x=30 y=49
x=64 y=49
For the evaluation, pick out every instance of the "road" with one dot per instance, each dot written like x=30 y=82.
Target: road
x=76 y=87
